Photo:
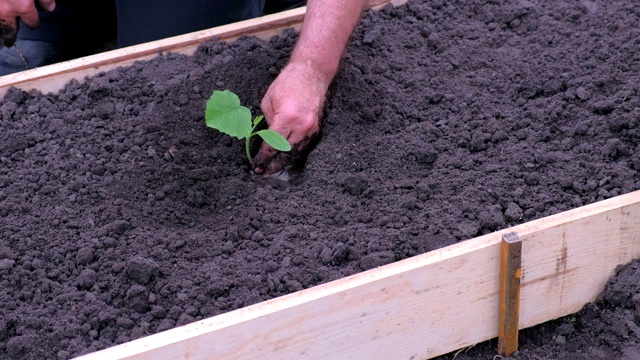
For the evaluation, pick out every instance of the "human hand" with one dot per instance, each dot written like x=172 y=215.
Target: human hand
x=11 y=10
x=292 y=107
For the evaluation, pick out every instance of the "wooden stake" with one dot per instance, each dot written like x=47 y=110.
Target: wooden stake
x=510 y=273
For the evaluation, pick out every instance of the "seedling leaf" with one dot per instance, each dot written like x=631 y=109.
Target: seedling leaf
x=274 y=139
x=224 y=113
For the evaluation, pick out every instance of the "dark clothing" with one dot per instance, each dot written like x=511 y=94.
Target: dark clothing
x=78 y=28
x=75 y=26
x=77 y=23
x=274 y=6
x=147 y=20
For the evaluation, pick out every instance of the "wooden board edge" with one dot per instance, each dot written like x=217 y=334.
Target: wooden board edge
x=52 y=78
x=379 y=4
x=455 y=256
x=39 y=78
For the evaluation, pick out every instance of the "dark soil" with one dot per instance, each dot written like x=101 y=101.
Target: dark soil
x=122 y=215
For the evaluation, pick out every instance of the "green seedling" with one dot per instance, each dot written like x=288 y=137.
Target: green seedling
x=225 y=114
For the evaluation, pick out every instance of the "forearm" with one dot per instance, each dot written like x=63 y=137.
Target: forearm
x=326 y=30
x=294 y=101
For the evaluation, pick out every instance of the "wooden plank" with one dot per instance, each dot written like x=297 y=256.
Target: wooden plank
x=52 y=78
x=378 y=4
x=572 y=261
x=420 y=307
x=510 y=273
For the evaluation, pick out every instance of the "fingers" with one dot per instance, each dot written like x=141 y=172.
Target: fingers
x=266 y=106
x=264 y=159
x=280 y=161
x=291 y=107
x=269 y=161
x=25 y=10
x=9 y=28
x=299 y=130
x=48 y=5
x=31 y=18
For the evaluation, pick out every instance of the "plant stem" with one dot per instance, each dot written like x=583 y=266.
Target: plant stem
x=247 y=145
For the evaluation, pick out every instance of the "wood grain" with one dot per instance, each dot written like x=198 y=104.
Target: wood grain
x=420 y=307
x=509 y=302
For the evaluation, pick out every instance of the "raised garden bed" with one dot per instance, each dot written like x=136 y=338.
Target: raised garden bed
x=123 y=216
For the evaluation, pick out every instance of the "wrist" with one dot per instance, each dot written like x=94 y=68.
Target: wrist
x=320 y=74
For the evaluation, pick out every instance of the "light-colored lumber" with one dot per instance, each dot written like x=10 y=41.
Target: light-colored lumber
x=509 y=305
x=52 y=78
x=420 y=307
x=378 y=4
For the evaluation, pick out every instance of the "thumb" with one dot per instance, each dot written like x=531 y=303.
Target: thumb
x=267 y=154
x=48 y=5
x=30 y=17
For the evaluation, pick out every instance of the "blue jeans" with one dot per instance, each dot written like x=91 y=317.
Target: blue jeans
x=27 y=54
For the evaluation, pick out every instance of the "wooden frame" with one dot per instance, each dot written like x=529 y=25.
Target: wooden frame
x=423 y=306
x=417 y=308
x=52 y=78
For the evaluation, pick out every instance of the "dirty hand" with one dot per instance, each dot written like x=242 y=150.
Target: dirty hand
x=292 y=107
x=11 y=10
